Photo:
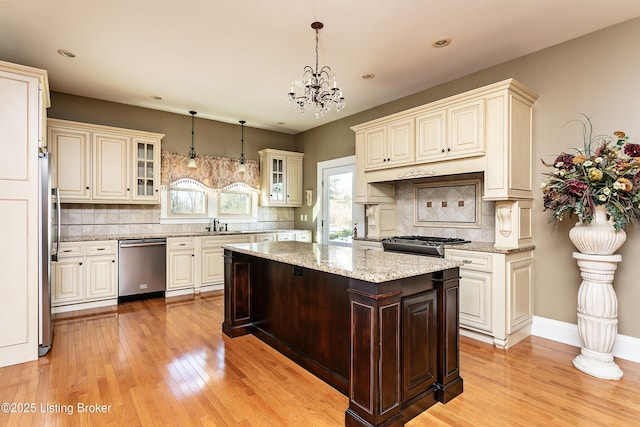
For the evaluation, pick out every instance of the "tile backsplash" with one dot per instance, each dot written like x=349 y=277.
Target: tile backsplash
x=88 y=221
x=405 y=211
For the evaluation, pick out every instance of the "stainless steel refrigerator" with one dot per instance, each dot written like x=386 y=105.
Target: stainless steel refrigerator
x=49 y=232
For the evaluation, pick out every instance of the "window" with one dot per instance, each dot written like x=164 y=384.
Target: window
x=187 y=197
x=189 y=201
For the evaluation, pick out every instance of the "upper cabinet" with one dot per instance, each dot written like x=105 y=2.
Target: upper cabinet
x=488 y=130
x=100 y=164
x=280 y=178
x=390 y=144
x=450 y=133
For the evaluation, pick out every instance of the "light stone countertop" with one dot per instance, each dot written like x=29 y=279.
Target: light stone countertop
x=169 y=235
x=368 y=265
x=487 y=247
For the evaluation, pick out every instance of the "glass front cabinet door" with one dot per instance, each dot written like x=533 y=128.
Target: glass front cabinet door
x=281 y=178
x=147 y=170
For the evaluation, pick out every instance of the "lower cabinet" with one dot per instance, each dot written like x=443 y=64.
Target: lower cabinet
x=181 y=263
x=496 y=295
x=196 y=264
x=367 y=245
x=296 y=235
x=212 y=260
x=85 y=276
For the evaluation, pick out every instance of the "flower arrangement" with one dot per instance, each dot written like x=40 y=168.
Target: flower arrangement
x=606 y=171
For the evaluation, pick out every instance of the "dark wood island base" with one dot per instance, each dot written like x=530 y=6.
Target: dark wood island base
x=392 y=346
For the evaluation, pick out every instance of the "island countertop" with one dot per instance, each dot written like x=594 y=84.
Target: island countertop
x=370 y=266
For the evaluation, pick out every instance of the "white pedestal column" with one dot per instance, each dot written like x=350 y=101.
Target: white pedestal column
x=597 y=315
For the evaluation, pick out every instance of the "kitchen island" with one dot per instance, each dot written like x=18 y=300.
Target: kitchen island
x=380 y=327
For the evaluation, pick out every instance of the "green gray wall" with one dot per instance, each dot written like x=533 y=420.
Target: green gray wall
x=597 y=75
x=211 y=137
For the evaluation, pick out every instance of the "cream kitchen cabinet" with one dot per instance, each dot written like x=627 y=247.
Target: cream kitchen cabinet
x=24 y=98
x=212 y=260
x=85 y=276
x=281 y=178
x=71 y=162
x=496 y=295
x=293 y=236
x=390 y=144
x=111 y=174
x=367 y=245
x=451 y=133
x=264 y=237
x=181 y=264
x=101 y=164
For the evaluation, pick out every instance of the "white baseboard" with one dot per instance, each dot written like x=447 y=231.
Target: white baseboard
x=626 y=347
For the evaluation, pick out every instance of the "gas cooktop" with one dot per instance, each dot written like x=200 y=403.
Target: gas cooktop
x=420 y=245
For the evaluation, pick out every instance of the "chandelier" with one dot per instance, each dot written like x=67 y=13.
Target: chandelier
x=318 y=90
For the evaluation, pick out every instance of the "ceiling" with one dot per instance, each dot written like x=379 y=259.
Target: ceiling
x=233 y=60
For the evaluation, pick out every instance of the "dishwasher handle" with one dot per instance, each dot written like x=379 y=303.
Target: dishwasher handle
x=141 y=243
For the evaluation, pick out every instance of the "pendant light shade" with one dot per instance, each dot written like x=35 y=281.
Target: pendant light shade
x=242 y=168
x=192 y=151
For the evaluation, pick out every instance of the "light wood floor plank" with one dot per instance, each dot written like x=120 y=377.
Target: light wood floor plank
x=160 y=362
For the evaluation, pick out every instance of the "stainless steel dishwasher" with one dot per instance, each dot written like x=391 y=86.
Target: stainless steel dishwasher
x=142 y=266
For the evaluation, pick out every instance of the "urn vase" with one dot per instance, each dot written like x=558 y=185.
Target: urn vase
x=599 y=237
x=597 y=303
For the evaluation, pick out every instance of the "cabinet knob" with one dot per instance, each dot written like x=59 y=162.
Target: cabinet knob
x=443 y=150
x=193 y=254
x=113 y=260
x=128 y=189
x=87 y=188
x=449 y=149
x=389 y=159
x=79 y=263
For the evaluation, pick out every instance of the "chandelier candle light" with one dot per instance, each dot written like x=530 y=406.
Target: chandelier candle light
x=318 y=90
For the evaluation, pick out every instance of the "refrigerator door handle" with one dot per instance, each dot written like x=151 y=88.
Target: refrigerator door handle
x=55 y=192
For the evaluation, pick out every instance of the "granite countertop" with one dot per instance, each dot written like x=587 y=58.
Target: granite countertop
x=367 y=265
x=472 y=246
x=168 y=235
x=488 y=247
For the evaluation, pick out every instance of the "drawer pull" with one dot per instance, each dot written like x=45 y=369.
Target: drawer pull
x=66 y=250
x=467 y=261
x=100 y=249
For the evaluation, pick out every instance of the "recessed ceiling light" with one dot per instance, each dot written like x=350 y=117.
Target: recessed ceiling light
x=66 y=53
x=367 y=76
x=441 y=42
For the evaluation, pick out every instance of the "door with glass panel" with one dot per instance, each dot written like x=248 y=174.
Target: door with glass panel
x=337 y=220
x=147 y=160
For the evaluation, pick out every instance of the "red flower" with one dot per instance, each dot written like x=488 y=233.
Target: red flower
x=632 y=150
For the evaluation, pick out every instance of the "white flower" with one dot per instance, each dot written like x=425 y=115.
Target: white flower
x=558 y=164
x=606 y=191
x=587 y=163
x=543 y=185
x=602 y=197
x=556 y=172
x=599 y=159
x=618 y=186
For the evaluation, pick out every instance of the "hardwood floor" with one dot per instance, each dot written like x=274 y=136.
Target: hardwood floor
x=167 y=363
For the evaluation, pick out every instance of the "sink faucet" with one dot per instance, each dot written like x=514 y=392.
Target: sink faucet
x=212 y=227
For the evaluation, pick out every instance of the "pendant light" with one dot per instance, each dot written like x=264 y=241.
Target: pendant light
x=192 y=151
x=242 y=169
